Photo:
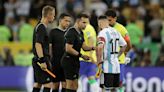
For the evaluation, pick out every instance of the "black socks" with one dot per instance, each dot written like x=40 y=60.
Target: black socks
x=55 y=90
x=70 y=90
x=63 y=90
x=36 y=89
x=46 y=89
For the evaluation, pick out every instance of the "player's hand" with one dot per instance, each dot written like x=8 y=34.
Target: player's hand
x=127 y=60
x=43 y=66
x=99 y=63
x=85 y=57
x=99 y=71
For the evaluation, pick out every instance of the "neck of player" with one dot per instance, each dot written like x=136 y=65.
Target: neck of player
x=77 y=28
x=44 y=21
x=61 y=28
x=104 y=26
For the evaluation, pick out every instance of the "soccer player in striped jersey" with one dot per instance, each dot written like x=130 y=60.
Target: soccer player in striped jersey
x=123 y=59
x=110 y=46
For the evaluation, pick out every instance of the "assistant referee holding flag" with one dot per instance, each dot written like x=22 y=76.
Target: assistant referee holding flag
x=41 y=51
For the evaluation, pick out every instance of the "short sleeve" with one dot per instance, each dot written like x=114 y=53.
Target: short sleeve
x=124 y=31
x=40 y=34
x=70 y=36
x=101 y=38
x=89 y=31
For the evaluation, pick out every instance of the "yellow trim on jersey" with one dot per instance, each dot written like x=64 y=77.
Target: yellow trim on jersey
x=89 y=32
x=120 y=28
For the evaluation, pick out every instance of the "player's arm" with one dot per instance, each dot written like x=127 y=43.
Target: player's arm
x=122 y=44
x=70 y=37
x=42 y=59
x=129 y=46
x=40 y=34
x=39 y=49
x=91 y=44
x=87 y=48
x=99 y=49
x=69 y=49
x=91 y=41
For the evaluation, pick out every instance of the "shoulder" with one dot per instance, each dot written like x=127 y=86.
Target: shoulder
x=89 y=31
x=122 y=27
x=71 y=31
x=55 y=30
x=119 y=25
x=123 y=31
x=102 y=32
x=111 y=29
x=40 y=28
x=40 y=25
x=90 y=27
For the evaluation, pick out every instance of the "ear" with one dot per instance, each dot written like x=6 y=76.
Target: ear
x=115 y=18
x=77 y=21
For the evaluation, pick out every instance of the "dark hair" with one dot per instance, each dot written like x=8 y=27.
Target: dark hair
x=111 y=13
x=102 y=17
x=79 y=16
x=63 y=15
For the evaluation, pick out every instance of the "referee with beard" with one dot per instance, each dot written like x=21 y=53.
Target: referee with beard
x=70 y=60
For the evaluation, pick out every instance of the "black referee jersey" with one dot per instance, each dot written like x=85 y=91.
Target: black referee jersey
x=56 y=38
x=40 y=35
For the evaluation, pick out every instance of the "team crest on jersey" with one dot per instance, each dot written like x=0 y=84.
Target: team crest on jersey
x=80 y=38
x=48 y=79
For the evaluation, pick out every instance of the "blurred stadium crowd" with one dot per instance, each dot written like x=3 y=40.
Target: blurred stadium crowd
x=144 y=20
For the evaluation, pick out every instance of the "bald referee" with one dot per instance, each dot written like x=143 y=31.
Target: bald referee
x=41 y=51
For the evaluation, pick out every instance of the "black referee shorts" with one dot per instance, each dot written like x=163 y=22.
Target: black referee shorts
x=109 y=80
x=40 y=76
x=71 y=67
x=58 y=71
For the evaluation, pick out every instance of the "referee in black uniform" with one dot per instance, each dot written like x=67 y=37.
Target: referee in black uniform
x=70 y=60
x=41 y=51
x=56 y=37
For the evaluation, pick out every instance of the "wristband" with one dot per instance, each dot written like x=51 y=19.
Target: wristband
x=42 y=59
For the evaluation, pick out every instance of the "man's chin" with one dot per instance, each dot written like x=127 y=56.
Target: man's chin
x=50 y=22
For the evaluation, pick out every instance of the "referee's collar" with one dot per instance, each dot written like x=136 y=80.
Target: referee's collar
x=45 y=25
